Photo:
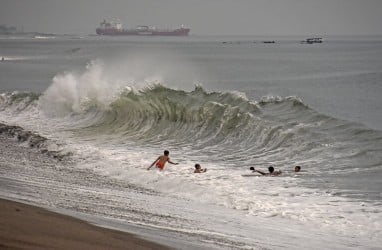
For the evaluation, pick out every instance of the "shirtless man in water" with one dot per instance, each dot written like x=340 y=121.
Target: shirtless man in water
x=161 y=161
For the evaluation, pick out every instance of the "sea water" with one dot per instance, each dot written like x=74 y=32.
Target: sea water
x=109 y=106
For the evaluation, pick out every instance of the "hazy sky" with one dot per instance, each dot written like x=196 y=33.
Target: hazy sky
x=217 y=17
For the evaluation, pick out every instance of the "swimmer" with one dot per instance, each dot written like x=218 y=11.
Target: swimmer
x=271 y=170
x=199 y=169
x=161 y=161
x=297 y=169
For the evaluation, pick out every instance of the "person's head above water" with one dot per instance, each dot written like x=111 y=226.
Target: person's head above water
x=197 y=166
x=166 y=152
x=297 y=168
x=271 y=169
x=252 y=168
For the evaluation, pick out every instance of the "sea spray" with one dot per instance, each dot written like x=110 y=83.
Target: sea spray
x=71 y=92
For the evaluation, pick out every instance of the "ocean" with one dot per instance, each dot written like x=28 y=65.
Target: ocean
x=83 y=117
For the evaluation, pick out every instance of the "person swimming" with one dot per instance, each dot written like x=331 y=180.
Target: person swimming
x=160 y=162
x=199 y=169
x=271 y=170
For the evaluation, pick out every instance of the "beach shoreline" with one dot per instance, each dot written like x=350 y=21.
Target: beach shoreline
x=25 y=226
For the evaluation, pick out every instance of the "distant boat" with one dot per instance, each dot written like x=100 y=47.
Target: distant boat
x=116 y=29
x=312 y=40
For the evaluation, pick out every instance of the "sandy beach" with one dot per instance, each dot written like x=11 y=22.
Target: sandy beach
x=28 y=227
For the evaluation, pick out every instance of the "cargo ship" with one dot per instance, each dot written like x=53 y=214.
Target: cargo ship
x=116 y=29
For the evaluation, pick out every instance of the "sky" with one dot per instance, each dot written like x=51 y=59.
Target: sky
x=204 y=17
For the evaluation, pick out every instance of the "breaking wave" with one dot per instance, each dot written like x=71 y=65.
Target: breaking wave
x=273 y=129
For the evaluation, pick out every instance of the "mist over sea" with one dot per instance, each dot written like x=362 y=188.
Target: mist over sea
x=88 y=115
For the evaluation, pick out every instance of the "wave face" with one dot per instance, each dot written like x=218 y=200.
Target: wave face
x=228 y=125
x=159 y=113
x=223 y=124
x=217 y=123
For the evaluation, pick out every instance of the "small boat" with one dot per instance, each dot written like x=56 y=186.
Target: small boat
x=312 y=40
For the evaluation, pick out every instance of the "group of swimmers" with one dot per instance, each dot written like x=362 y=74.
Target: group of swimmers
x=272 y=171
x=160 y=162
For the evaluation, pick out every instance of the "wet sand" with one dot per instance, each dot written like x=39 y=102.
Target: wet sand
x=28 y=227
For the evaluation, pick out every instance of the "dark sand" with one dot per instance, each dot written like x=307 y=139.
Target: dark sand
x=27 y=227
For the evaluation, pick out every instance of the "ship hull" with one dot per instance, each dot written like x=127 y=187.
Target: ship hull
x=116 y=32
